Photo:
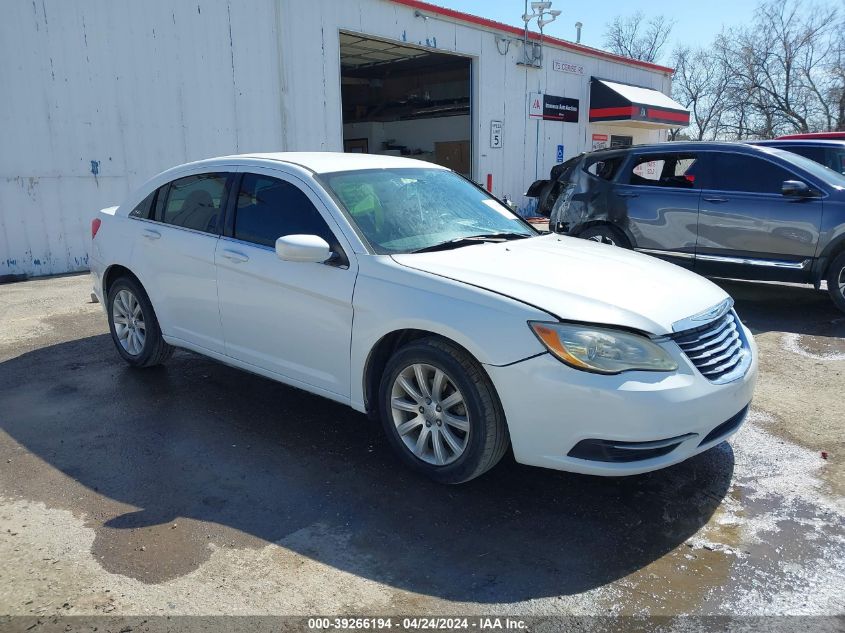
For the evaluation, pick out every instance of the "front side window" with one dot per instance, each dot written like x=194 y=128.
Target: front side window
x=268 y=208
x=402 y=210
x=740 y=172
x=678 y=171
x=194 y=202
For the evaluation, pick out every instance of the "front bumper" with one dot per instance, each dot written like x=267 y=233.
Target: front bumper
x=551 y=408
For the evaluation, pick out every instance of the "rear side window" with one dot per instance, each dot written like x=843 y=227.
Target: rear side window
x=194 y=202
x=813 y=153
x=678 y=171
x=269 y=208
x=831 y=157
x=144 y=207
x=739 y=172
x=606 y=168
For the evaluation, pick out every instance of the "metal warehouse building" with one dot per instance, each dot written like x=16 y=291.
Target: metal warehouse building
x=100 y=96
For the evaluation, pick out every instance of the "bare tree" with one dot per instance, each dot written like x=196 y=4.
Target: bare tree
x=699 y=84
x=782 y=69
x=634 y=36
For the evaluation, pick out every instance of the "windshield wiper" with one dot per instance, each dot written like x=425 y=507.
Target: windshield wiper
x=471 y=239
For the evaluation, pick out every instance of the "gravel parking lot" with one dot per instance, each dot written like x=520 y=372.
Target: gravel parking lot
x=198 y=489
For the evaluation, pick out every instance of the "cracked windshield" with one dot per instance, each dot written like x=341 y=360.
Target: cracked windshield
x=407 y=210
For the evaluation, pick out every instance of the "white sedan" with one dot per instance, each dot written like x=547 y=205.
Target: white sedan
x=405 y=291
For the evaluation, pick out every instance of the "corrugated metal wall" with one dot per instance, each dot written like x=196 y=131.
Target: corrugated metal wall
x=101 y=95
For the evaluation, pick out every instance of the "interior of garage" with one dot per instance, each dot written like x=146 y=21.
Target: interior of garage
x=406 y=101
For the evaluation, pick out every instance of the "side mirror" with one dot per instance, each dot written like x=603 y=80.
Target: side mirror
x=303 y=248
x=797 y=189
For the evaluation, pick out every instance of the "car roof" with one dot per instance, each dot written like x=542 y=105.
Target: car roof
x=323 y=162
x=680 y=146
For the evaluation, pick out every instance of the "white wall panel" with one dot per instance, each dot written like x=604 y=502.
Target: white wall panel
x=101 y=95
x=107 y=94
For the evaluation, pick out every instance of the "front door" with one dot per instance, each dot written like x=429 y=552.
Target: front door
x=747 y=228
x=290 y=318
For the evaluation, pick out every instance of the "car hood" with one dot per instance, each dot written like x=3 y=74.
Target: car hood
x=578 y=280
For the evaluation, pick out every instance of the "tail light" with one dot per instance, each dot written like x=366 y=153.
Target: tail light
x=95 y=226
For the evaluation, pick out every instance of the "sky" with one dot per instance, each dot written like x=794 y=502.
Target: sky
x=696 y=23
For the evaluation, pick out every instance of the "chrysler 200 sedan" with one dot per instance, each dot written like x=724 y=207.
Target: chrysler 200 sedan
x=405 y=291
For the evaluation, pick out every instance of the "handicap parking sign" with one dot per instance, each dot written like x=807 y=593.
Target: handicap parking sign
x=560 y=153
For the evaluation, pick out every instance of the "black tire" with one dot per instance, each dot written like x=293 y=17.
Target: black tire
x=487 y=438
x=154 y=350
x=605 y=234
x=836 y=281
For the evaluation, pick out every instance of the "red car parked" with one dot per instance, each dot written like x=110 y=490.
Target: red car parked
x=832 y=136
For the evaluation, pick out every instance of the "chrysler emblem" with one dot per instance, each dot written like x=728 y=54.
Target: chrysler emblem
x=710 y=314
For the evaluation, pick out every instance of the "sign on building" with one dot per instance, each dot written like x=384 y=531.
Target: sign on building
x=599 y=141
x=535 y=105
x=553 y=108
x=496 y=140
x=566 y=67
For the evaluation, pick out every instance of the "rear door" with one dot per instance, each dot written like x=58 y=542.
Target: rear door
x=174 y=257
x=659 y=193
x=291 y=318
x=748 y=228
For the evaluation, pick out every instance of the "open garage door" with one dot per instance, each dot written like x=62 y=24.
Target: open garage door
x=406 y=101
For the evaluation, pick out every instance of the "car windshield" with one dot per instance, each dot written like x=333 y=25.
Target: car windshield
x=410 y=209
x=819 y=171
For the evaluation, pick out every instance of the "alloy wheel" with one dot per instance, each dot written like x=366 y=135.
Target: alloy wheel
x=601 y=239
x=430 y=414
x=840 y=281
x=129 y=323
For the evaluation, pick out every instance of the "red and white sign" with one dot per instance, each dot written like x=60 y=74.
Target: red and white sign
x=599 y=141
x=535 y=105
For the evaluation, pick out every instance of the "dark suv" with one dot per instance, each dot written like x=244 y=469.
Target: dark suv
x=828 y=153
x=722 y=209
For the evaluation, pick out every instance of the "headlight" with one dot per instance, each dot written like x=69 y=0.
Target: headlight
x=601 y=350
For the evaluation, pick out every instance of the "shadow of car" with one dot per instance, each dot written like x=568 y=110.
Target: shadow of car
x=241 y=460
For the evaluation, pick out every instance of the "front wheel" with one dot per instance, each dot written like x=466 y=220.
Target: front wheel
x=836 y=281
x=133 y=325
x=605 y=235
x=440 y=411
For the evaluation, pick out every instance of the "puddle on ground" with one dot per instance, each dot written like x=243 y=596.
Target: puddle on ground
x=776 y=543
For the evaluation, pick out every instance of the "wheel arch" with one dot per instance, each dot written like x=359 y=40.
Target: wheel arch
x=113 y=273
x=616 y=227
x=380 y=354
x=823 y=262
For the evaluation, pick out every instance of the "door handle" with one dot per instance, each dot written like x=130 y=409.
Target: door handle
x=234 y=256
x=716 y=200
x=151 y=234
x=627 y=194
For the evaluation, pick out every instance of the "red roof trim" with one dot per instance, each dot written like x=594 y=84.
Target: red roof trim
x=492 y=24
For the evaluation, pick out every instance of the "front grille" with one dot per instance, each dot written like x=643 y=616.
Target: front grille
x=716 y=349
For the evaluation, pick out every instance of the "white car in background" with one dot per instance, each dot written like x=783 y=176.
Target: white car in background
x=403 y=290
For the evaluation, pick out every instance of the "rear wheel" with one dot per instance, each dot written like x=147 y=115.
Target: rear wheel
x=440 y=411
x=133 y=325
x=836 y=281
x=605 y=234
